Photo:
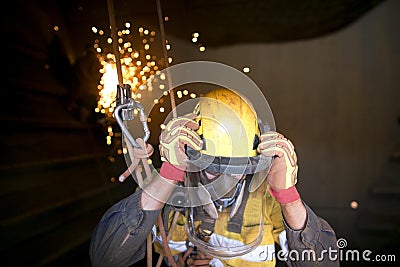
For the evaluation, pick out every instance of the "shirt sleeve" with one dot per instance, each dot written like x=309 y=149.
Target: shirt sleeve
x=119 y=239
x=315 y=245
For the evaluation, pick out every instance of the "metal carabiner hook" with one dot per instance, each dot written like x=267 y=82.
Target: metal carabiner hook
x=124 y=112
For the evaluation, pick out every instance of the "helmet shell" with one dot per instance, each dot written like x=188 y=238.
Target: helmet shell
x=228 y=124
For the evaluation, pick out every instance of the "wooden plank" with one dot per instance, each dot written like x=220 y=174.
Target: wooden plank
x=51 y=235
x=48 y=246
x=39 y=146
x=53 y=186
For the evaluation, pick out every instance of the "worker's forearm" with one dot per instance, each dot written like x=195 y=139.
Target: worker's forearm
x=157 y=193
x=295 y=214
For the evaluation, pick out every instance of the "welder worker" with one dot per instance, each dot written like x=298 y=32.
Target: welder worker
x=244 y=207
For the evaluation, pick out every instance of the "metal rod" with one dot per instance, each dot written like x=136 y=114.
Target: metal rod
x=114 y=37
x=162 y=30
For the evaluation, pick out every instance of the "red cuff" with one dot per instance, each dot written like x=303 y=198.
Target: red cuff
x=171 y=172
x=285 y=196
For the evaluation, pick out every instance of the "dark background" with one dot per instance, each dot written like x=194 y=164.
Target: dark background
x=329 y=70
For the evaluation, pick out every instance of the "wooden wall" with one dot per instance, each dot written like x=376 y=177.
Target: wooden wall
x=56 y=169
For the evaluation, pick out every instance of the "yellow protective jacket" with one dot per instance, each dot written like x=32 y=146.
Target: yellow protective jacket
x=263 y=255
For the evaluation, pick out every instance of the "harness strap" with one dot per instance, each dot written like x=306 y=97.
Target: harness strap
x=207 y=225
x=165 y=215
x=235 y=223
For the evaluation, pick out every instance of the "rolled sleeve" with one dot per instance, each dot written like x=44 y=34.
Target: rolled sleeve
x=119 y=239
x=317 y=237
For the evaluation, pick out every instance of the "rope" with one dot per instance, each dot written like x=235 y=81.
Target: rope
x=141 y=155
x=162 y=30
x=138 y=154
x=149 y=251
x=146 y=150
x=114 y=37
x=174 y=114
x=187 y=254
x=174 y=221
x=165 y=242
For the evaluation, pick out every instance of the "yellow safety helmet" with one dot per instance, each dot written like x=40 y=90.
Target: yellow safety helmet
x=230 y=131
x=229 y=128
x=228 y=124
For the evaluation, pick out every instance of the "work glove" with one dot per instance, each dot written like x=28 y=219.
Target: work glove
x=178 y=133
x=282 y=176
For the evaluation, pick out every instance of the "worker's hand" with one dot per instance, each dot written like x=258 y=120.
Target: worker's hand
x=178 y=133
x=198 y=259
x=283 y=172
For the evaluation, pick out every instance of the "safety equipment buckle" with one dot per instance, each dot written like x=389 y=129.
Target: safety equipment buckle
x=125 y=112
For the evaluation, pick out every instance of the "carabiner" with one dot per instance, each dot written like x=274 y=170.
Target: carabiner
x=124 y=112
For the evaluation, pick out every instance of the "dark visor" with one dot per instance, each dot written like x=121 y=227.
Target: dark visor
x=231 y=165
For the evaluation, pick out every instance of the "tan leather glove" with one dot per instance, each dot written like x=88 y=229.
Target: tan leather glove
x=283 y=172
x=179 y=132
